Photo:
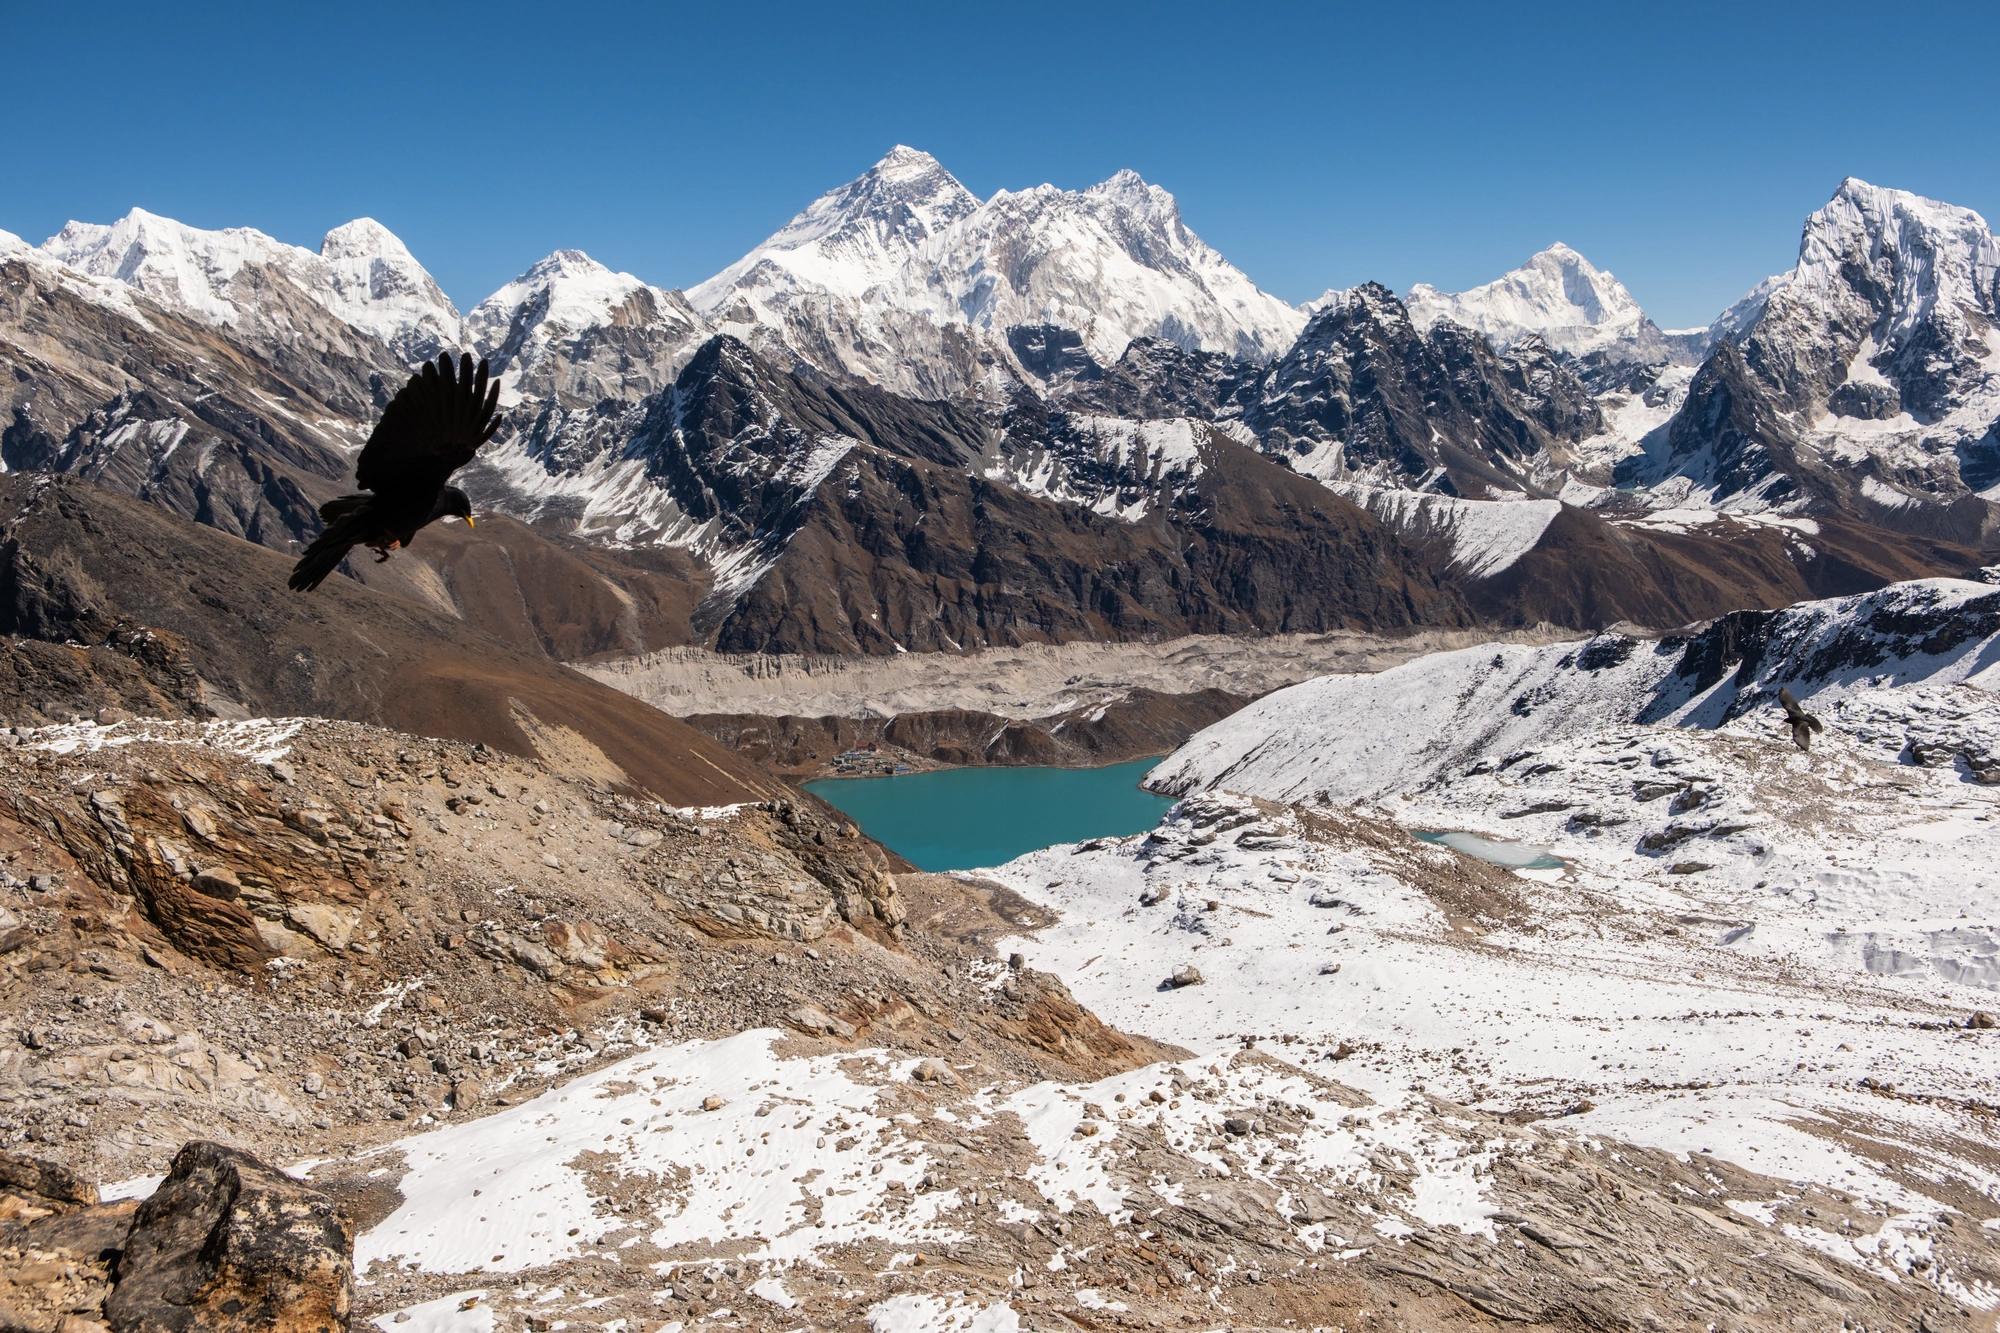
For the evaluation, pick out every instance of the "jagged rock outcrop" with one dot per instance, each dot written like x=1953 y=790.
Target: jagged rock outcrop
x=1156 y=379
x=1863 y=382
x=1548 y=389
x=1364 y=396
x=227 y=1244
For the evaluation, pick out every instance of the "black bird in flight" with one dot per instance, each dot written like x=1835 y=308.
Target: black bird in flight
x=430 y=429
x=1804 y=724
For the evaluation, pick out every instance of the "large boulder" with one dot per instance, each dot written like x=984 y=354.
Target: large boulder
x=227 y=1245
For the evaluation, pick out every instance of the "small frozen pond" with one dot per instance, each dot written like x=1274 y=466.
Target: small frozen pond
x=1513 y=855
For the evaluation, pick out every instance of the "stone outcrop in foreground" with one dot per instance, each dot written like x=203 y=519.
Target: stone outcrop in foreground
x=225 y=1243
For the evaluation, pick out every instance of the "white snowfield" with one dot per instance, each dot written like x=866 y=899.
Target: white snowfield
x=1746 y=950
x=745 y=1155
x=731 y=1170
x=1370 y=737
x=1485 y=536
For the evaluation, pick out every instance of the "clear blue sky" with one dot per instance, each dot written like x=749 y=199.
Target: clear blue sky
x=1314 y=145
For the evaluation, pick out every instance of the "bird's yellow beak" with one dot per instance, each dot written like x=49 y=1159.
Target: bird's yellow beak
x=469 y=523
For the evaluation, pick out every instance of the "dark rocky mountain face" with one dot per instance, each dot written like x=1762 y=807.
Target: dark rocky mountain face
x=899 y=551
x=1866 y=384
x=241 y=432
x=1394 y=406
x=1156 y=379
x=1052 y=353
x=848 y=519
x=1549 y=391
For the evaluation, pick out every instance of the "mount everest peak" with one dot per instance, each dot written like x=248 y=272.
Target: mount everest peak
x=903 y=277
x=848 y=236
x=1575 y=307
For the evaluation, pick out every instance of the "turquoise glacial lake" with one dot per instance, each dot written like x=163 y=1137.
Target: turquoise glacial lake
x=959 y=818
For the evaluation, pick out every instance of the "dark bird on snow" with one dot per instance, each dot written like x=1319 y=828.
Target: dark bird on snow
x=431 y=429
x=1804 y=724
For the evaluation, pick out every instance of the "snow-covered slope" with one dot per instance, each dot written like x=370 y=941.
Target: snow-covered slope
x=377 y=285
x=1745 y=310
x=1575 y=307
x=1714 y=943
x=573 y=331
x=363 y=275
x=1437 y=717
x=903 y=277
x=1484 y=537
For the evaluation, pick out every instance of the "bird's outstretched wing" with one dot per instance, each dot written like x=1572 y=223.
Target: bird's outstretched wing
x=431 y=428
x=1803 y=724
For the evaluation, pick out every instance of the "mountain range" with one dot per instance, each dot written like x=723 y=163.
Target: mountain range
x=913 y=420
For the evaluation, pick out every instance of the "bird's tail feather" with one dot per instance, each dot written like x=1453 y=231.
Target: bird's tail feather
x=328 y=550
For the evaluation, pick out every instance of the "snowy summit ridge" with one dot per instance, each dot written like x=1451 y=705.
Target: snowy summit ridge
x=1559 y=295
x=905 y=278
x=362 y=274
x=573 y=330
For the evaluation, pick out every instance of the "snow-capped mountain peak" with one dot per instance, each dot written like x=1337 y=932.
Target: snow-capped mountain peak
x=1873 y=365
x=903 y=277
x=1130 y=189
x=363 y=238
x=362 y=274
x=378 y=285
x=574 y=292
x=1926 y=253
x=180 y=266
x=576 y=330
x=849 y=239
x=1558 y=294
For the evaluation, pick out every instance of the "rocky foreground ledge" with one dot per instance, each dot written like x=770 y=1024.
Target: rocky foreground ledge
x=224 y=1244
